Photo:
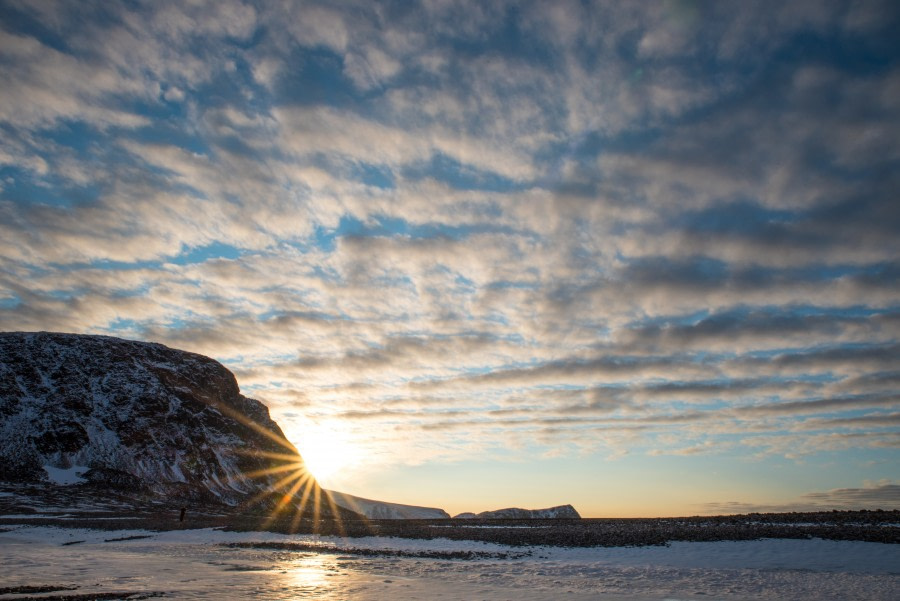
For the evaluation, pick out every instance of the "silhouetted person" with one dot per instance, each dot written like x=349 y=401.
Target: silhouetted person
x=181 y=517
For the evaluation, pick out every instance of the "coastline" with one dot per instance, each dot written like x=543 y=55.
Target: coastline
x=74 y=564
x=83 y=507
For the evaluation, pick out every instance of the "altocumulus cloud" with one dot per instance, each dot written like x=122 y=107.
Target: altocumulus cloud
x=570 y=227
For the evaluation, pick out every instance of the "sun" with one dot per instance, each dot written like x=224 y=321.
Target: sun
x=327 y=452
x=298 y=486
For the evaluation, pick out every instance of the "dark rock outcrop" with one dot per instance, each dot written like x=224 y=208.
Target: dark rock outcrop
x=132 y=415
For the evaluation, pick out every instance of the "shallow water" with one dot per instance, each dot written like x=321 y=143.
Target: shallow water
x=193 y=565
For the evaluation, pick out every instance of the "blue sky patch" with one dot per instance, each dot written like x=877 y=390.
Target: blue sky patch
x=621 y=248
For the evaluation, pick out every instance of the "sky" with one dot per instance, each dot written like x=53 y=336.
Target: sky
x=640 y=257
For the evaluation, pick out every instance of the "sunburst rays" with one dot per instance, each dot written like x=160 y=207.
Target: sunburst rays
x=294 y=489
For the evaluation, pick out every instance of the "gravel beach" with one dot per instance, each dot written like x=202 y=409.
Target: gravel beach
x=81 y=507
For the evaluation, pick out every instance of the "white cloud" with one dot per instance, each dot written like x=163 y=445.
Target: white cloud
x=44 y=85
x=625 y=252
x=324 y=130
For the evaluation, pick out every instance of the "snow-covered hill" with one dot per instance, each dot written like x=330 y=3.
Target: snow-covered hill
x=379 y=510
x=514 y=513
x=131 y=415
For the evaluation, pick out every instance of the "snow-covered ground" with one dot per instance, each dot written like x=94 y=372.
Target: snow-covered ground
x=193 y=564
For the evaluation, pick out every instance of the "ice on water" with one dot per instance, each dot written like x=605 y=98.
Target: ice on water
x=192 y=564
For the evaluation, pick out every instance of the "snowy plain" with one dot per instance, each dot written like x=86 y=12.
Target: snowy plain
x=197 y=564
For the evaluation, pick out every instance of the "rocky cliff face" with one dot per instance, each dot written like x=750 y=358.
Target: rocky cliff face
x=131 y=415
x=514 y=513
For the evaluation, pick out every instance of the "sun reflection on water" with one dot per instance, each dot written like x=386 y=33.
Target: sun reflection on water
x=312 y=576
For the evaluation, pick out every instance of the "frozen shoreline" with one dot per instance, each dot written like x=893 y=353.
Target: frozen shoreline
x=202 y=563
x=75 y=541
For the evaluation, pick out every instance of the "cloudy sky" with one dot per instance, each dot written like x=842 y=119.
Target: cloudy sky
x=641 y=257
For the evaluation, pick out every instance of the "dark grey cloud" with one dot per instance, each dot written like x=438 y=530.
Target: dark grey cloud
x=850 y=357
x=882 y=495
x=575 y=368
x=870 y=382
x=874 y=420
x=760 y=325
x=886 y=496
x=814 y=406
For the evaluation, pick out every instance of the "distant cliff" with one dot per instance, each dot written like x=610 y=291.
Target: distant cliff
x=514 y=513
x=380 y=510
x=131 y=415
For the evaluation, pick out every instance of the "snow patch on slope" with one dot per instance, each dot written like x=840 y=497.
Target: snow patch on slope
x=66 y=476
